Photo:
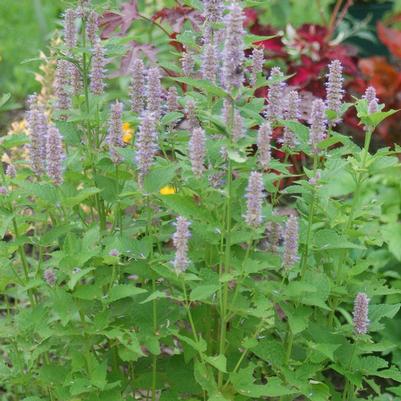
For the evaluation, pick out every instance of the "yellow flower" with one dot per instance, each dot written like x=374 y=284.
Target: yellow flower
x=168 y=190
x=128 y=132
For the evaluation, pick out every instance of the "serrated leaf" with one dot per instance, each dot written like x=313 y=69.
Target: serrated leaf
x=124 y=291
x=203 y=292
x=203 y=85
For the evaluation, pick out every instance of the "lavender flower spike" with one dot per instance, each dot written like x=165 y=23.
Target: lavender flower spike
x=318 y=124
x=257 y=64
x=263 y=142
x=146 y=145
x=191 y=114
x=187 y=63
x=50 y=277
x=55 y=155
x=92 y=26
x=154 y=91
x=62 y=85
x=37 y=126
x=115 y=132
x=137 y=87
x=370 y=95
x=209 y=63
x=290 y=255
x=70 y=32
x=11 y=171
x=291 y=114
x=276 y=94
x=334 y=85
x=238 y=131
x=360 y=315
x=254 y=196
x=233 y=53
x=180 y=241
x=97 y=73
x=213 y=10
x=197 y=151
x=172 y=99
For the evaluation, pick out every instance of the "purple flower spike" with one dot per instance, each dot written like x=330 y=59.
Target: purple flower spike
x=115 y=131
x=172 y=99
x=38 y=127
x=97 y=73
x=62 y=83
x=70 y=32
x=334 y=85
x=290 y=255
x=137 y=87
x=191 y=114
x=238 y=130
x=276 y=94
x=263 y=142
x=92 y=26
x=55 y=155
x=370 y=95
x=233 y=50
x=209 y=64
x=180 y=241
x=197 y=151
x=254 y=196
x=187 y=63
x=213 y=10
x=258 y=55
x=318 y=124
x=146 y=145
x=291 y=114
x=155 y=91
x=50 y=276
x=11 y=171
x=360 y=315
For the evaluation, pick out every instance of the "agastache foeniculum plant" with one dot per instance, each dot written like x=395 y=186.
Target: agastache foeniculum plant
x=175 y=227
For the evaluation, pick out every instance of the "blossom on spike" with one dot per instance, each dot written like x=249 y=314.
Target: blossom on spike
x=233 y=50
x=154 y=91
x=38 y=127
x=97 y=73
x=92 y=26
x=62 y=83
x=238 y=130
x=209 y=63
x=3 y=191
x=114 y=252
x=50 y=277
x=370 y=95
x=315 y=180
x=276 y=94
x=172 y=99
x=227 y=112
x=373 y=107
x=197 y=151
x=11 y=171
x=318 y=124
x=55 y=155
x=273 y=235
x=257 y=64
x=115 y=131
x=187 y=63
x=254 y=196
x=213 y=10
x=334 y=87
x=190 y=110
x=290 y=254
x=137 y=87
x=146 y=144
x=70 y=31
x=360 y=315
x=291 y=113
x=180 y=241
x=263 y=142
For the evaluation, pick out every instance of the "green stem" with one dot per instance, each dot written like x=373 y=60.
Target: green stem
x=155 y=330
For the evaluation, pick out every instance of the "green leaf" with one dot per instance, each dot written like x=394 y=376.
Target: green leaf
x=379 y=311
x=327 y=239
x=13 y=141
x=203 y=85
x=219 y=362
x=158 y=178
x=203 y=292
x=243 y=382
x=123 y=291
x=79 y=197
x=171 y=117
x=392 y=235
